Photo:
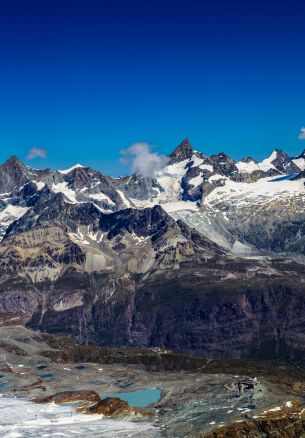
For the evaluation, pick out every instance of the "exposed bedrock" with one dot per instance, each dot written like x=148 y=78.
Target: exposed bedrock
x=176 y=310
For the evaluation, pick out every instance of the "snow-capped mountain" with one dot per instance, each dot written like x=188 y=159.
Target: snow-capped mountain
x=186 y=259
x=235 y=204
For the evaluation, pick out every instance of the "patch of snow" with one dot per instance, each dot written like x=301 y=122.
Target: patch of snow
x=238 y=193
x=170 y=207
x=12 y=212
x=140 y=239
x=78 y=237
x=68 y=304
x=8 y=215
x=39 y=184
x=169 y=179
x=102 y=210
x=300 y=162
x=241 y=249
x=266 y=164
x=31 y=173
x=278 y=408
x=196 y=161
x=249 y=167
x=216 y=177
x=124 y=199
x=66 y=171
x=208 y=167
x=63 y=188
x=196 y=180
x=207 y=222
x=102 y=197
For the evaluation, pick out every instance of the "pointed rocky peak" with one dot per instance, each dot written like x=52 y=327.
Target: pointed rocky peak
x=282 y=162
x=14 y=166
x=299 y=161
x=248 y=160
x=79 y=176
x=70 y=169
x=223 y=164
x=182 y=152
x=279 y=153
x=13 y=175
x=14 y=162
x=221 y=157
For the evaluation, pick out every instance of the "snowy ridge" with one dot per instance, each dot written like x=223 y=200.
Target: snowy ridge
x=266 y=164
x=213 y=194
x=66 y=171
x=260 y=191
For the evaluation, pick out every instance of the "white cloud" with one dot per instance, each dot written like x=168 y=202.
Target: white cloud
x=35 y=152
x=142 y=160
x=302 y=134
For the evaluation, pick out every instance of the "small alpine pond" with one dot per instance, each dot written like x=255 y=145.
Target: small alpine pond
x=138 y=398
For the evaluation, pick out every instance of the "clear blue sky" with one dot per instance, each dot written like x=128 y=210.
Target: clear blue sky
x=84 y=79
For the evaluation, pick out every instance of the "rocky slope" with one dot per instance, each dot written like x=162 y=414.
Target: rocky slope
x=198 y=397
x=207 y=255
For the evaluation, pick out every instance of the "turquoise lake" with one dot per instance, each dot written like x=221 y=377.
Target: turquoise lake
x=139 y=398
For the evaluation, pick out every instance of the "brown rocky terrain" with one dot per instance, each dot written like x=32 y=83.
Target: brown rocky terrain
x=287 y=422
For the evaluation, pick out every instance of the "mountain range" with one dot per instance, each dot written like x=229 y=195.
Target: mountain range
x=207 y=256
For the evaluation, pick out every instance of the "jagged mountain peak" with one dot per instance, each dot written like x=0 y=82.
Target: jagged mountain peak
x=13 y=175
x=15 y=162
x=13 y=159
x=279 y=152
x=248 y=159
x=282 y=162
x=182 y=152
x=70 y=169
x=223 y=164
x=221 y=156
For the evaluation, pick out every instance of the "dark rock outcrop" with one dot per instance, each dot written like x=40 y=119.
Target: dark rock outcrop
x=182 y=152
x=70 y=396
x=288 y=422
x=115 y=407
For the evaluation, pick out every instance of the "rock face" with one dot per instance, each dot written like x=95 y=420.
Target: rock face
x=115 y=407
x=70 y=396
x=108 y=407
x=182 y=152
x=210 y=312
x=205 y=256
x=288 y=422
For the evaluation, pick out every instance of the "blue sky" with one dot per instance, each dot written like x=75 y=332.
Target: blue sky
x=84 y=80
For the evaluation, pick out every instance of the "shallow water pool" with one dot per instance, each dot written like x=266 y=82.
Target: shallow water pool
x=139 y=398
